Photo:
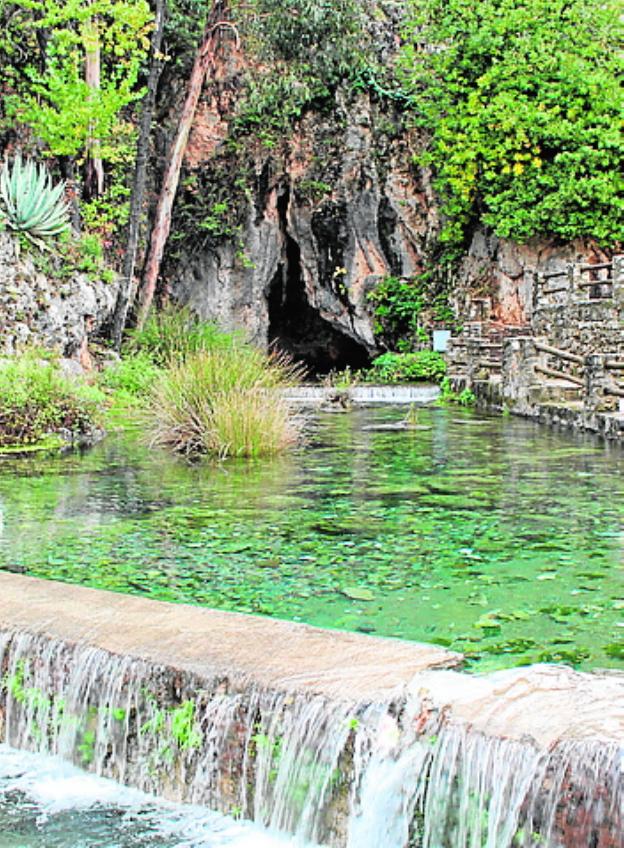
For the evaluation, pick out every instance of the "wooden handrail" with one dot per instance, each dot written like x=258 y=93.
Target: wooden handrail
x=584 y=268
x=549 y=275
x=559 y=375
x=589 y=283
x=562 y=354
x=615 y=392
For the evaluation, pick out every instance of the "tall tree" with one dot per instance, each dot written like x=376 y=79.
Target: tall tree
x=73 y=94
x=139 y=182
x=204 y=59
x=94 y=169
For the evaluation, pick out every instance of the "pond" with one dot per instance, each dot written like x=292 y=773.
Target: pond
x=489 y=535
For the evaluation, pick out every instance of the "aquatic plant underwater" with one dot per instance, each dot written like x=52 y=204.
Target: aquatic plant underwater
x=490 y=536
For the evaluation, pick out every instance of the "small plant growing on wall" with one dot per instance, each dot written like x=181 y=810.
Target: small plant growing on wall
x=30 y=204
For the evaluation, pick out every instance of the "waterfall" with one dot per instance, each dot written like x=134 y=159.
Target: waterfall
x=333 y=772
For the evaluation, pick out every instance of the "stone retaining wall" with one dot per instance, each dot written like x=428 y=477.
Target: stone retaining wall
x=39 y=310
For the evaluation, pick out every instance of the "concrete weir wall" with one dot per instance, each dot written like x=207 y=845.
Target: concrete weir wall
x=340 y=739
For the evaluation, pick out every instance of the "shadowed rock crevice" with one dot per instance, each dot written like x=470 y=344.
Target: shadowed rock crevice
x=295 y=326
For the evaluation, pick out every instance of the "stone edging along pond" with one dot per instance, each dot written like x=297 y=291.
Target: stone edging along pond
x=323 y=734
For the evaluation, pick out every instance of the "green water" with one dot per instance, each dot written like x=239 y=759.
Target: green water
x=492 y=536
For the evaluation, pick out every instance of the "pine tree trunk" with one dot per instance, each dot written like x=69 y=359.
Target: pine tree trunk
x=162 y=221
x=139 y=181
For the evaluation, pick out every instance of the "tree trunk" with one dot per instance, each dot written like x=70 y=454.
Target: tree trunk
x=162 y=220
x=139 y=181
x=68 y=172
x=94 y=169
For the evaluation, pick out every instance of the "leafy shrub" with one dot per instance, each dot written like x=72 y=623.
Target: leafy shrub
x=176 y=332
x=134 y=375
x=464 y=398
x=36 y=400
x=30 y=203
x=424 y=365
x=223 y=402
x=523 y=101
x=398 y=304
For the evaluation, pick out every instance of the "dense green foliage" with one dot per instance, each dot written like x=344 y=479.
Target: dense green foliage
x=464 y=398
x=37 y=401
x=223 y=402
x=523 y=101
x=174 y=333
x=29 y=202
x=50 y=92
x=423 y=365
x=397 y=306
x=309 y=47
x=132 y=377
x=400 y=303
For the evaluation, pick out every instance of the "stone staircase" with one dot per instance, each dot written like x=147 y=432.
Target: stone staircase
x=475 y=356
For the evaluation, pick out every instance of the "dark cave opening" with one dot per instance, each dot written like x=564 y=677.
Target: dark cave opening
x=296 y=327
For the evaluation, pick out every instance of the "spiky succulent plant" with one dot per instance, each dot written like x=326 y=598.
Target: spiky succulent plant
x=31 y=204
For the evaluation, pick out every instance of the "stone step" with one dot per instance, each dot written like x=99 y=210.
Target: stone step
x=554 y=391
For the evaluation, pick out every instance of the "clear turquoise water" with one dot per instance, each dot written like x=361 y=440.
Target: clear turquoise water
x=490 y=535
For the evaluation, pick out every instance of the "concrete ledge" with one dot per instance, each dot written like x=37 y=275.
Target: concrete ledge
x=277 y=654
x=363 y=395
x=249 y=714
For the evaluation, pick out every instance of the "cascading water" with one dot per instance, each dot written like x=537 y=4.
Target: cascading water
x=330 y=772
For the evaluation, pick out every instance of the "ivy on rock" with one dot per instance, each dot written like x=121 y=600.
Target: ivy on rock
x=523 y=102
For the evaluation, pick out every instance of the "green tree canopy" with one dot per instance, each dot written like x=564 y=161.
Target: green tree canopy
x=523 y=102
x=52 y=94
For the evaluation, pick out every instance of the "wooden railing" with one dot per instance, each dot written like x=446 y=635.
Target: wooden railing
x=562 y=354
x=597 y=279
x=616 y=390
x=565 y=356
x=596 y=283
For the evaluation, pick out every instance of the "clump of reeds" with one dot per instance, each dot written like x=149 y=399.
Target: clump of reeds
x=225 y=402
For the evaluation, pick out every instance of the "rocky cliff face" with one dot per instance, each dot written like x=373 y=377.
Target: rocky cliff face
x=317 y=214
x=286 y=234
x=39 y=308
x=312 y=245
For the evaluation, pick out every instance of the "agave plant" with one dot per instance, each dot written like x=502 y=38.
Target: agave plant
x=31 y=204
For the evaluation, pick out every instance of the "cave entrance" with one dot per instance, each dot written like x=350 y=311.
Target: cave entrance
x=296 y=327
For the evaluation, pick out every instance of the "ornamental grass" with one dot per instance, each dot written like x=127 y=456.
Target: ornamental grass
x=225 y=403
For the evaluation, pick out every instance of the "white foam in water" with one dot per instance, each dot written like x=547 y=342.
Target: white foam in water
x=55 y=786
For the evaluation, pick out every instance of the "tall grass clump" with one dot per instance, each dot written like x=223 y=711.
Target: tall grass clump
x=174 y=333
x=225 y=403
x=37 y=401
